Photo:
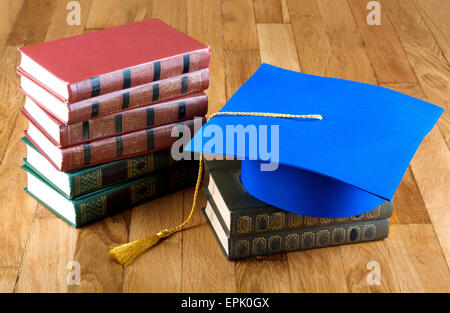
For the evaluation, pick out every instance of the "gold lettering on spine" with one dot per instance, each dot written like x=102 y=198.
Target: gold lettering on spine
x=99 y=178
x=104 y=206
x=77 y=185
x=83 y=213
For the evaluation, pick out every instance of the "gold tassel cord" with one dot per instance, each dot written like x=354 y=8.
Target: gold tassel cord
x=126 y=253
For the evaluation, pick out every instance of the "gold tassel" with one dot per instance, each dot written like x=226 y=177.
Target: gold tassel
x=126 y=253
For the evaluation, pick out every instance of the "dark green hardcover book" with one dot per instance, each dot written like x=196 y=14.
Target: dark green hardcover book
x=296 y=239
x=83 y=181
x=97 y=205
x=245 y=215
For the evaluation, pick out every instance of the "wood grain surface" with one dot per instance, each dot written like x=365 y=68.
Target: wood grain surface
x=409 y=52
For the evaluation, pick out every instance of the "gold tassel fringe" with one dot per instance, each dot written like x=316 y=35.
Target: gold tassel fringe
x=126 y=253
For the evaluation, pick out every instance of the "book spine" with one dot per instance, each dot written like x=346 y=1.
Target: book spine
x=138 y=96
x=133 y=120
x=158 y=184
x=307 y=238
x=138 y=75
x=123 y=146
x=118 y=172
x=272 y=219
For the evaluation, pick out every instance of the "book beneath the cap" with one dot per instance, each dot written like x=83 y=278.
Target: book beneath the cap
x=107 y=201
x=244 y=215
x=95 y=63
x=117 y=101
x=317 y=236
x=171 y=111
x=83 y=181
x=106 y=149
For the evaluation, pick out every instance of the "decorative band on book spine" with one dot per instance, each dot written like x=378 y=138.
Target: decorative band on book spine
x=150 y=116
x=95 y=86
x=155 y=93
x=85 y=130
x=184 y=84
x=186 y=63
x=93 y=210
x=94 y=109
x=126 y=78
x=150 y=139
x=118 y=123
x=88 y=181
x=156 y=70
x=125 y=100
x=87 y=153
x=119 y=146
x=181 y=110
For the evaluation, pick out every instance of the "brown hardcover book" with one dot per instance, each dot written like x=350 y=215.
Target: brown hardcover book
x=117 y=101
x=62 y=135
x=107 y=149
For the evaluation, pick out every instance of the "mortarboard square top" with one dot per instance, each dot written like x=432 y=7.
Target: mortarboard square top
x=343 y=165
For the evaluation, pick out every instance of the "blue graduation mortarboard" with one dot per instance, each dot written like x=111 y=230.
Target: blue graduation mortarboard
x=345 y=164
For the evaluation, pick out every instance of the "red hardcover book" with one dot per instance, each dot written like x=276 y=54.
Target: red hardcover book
x=117 y=101
x=62 y=135
x=100 y=62
x=107 y=149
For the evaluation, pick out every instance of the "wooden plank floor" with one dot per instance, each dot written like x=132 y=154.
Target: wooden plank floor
x=408 y=52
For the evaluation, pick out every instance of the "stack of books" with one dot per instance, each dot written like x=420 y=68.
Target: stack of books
x=246 y=227
x=101 y=108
